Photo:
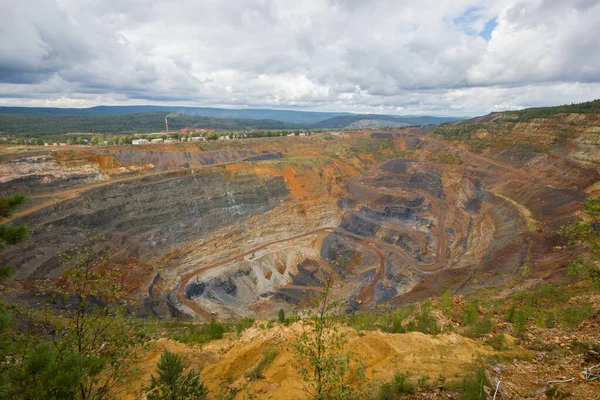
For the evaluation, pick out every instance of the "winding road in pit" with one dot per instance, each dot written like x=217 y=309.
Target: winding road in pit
x=366 y=295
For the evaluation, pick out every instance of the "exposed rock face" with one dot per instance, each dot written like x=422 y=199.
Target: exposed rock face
x=44 y=173
x=404 y=222
x=264 y=231
x=144 y=216
x=168 y=160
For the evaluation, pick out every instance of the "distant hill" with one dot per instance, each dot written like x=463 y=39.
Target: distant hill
x=376 y=124
x=588 y=107
x=427 y=120
x=345 y=121
x=306 y=119
x=289 y=117
x=44 y=124
x=527 y=114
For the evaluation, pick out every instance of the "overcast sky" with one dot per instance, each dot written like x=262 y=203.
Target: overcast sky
x=443 y=57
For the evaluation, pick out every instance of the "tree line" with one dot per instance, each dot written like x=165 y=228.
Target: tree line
x=45 y=125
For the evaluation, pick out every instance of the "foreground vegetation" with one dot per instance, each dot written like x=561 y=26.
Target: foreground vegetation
x=38 y=371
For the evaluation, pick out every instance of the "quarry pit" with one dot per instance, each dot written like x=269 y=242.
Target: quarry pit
x=231 y=233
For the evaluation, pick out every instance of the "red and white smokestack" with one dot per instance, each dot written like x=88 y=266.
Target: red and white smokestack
x=167 y=124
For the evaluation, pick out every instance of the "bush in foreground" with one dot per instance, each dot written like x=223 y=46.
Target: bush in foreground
x=172 y=384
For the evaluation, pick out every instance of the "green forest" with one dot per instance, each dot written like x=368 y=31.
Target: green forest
x=589 y=107
x=45 y=125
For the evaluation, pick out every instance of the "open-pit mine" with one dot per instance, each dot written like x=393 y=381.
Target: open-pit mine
x=244 y=228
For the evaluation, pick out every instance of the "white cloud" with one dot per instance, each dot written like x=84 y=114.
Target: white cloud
x=379 y=56
x=542 y=41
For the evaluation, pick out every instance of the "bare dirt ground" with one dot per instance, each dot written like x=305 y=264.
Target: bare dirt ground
x=224 y=363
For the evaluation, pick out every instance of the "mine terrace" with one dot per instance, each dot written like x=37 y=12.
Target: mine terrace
x=244 y=228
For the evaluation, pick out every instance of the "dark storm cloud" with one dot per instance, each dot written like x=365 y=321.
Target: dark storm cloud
x=385 y=55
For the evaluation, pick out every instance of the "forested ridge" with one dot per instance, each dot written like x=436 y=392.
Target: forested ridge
x=588 y=107
x=42 y=125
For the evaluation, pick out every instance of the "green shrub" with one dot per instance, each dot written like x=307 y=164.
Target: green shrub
x=584 y=233
x=423 y=380
x=321 y=357
x=291 y=319
x=481 y=327
x=172 y=384
x=6 y=271
x=8 y=204
x=446 y=303
x=175 y=324
x=546 y=319
x=544 y=294
x=243 y=324
x=13 y=234
x=520 y=322
x=46 y=374
x=281 y=316
x=397 y=386
x=471 y=387
x=213 y=330
x=584 y=347
x=577 y=313
x=392 y=321
x=518 y=317
x=362 y=321
x=498 y=343
x=550 y=320
x=207 y=332
x=509 y=314
x=425 y=321
x=91 y=347
x=397 y=326
x=471 y=313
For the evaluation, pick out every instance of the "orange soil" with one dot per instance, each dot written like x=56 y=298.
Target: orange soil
x=224 y=363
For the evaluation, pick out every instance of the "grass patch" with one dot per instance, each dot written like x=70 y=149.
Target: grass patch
x=396 y=387
x=205 y=333
x=543 y=294
x=499 y=342
x=584 y=347
x=546 y=319
x=243 y=324
x=362 y=321
x=481 y=327
x=471 y=386
x=575 y=314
